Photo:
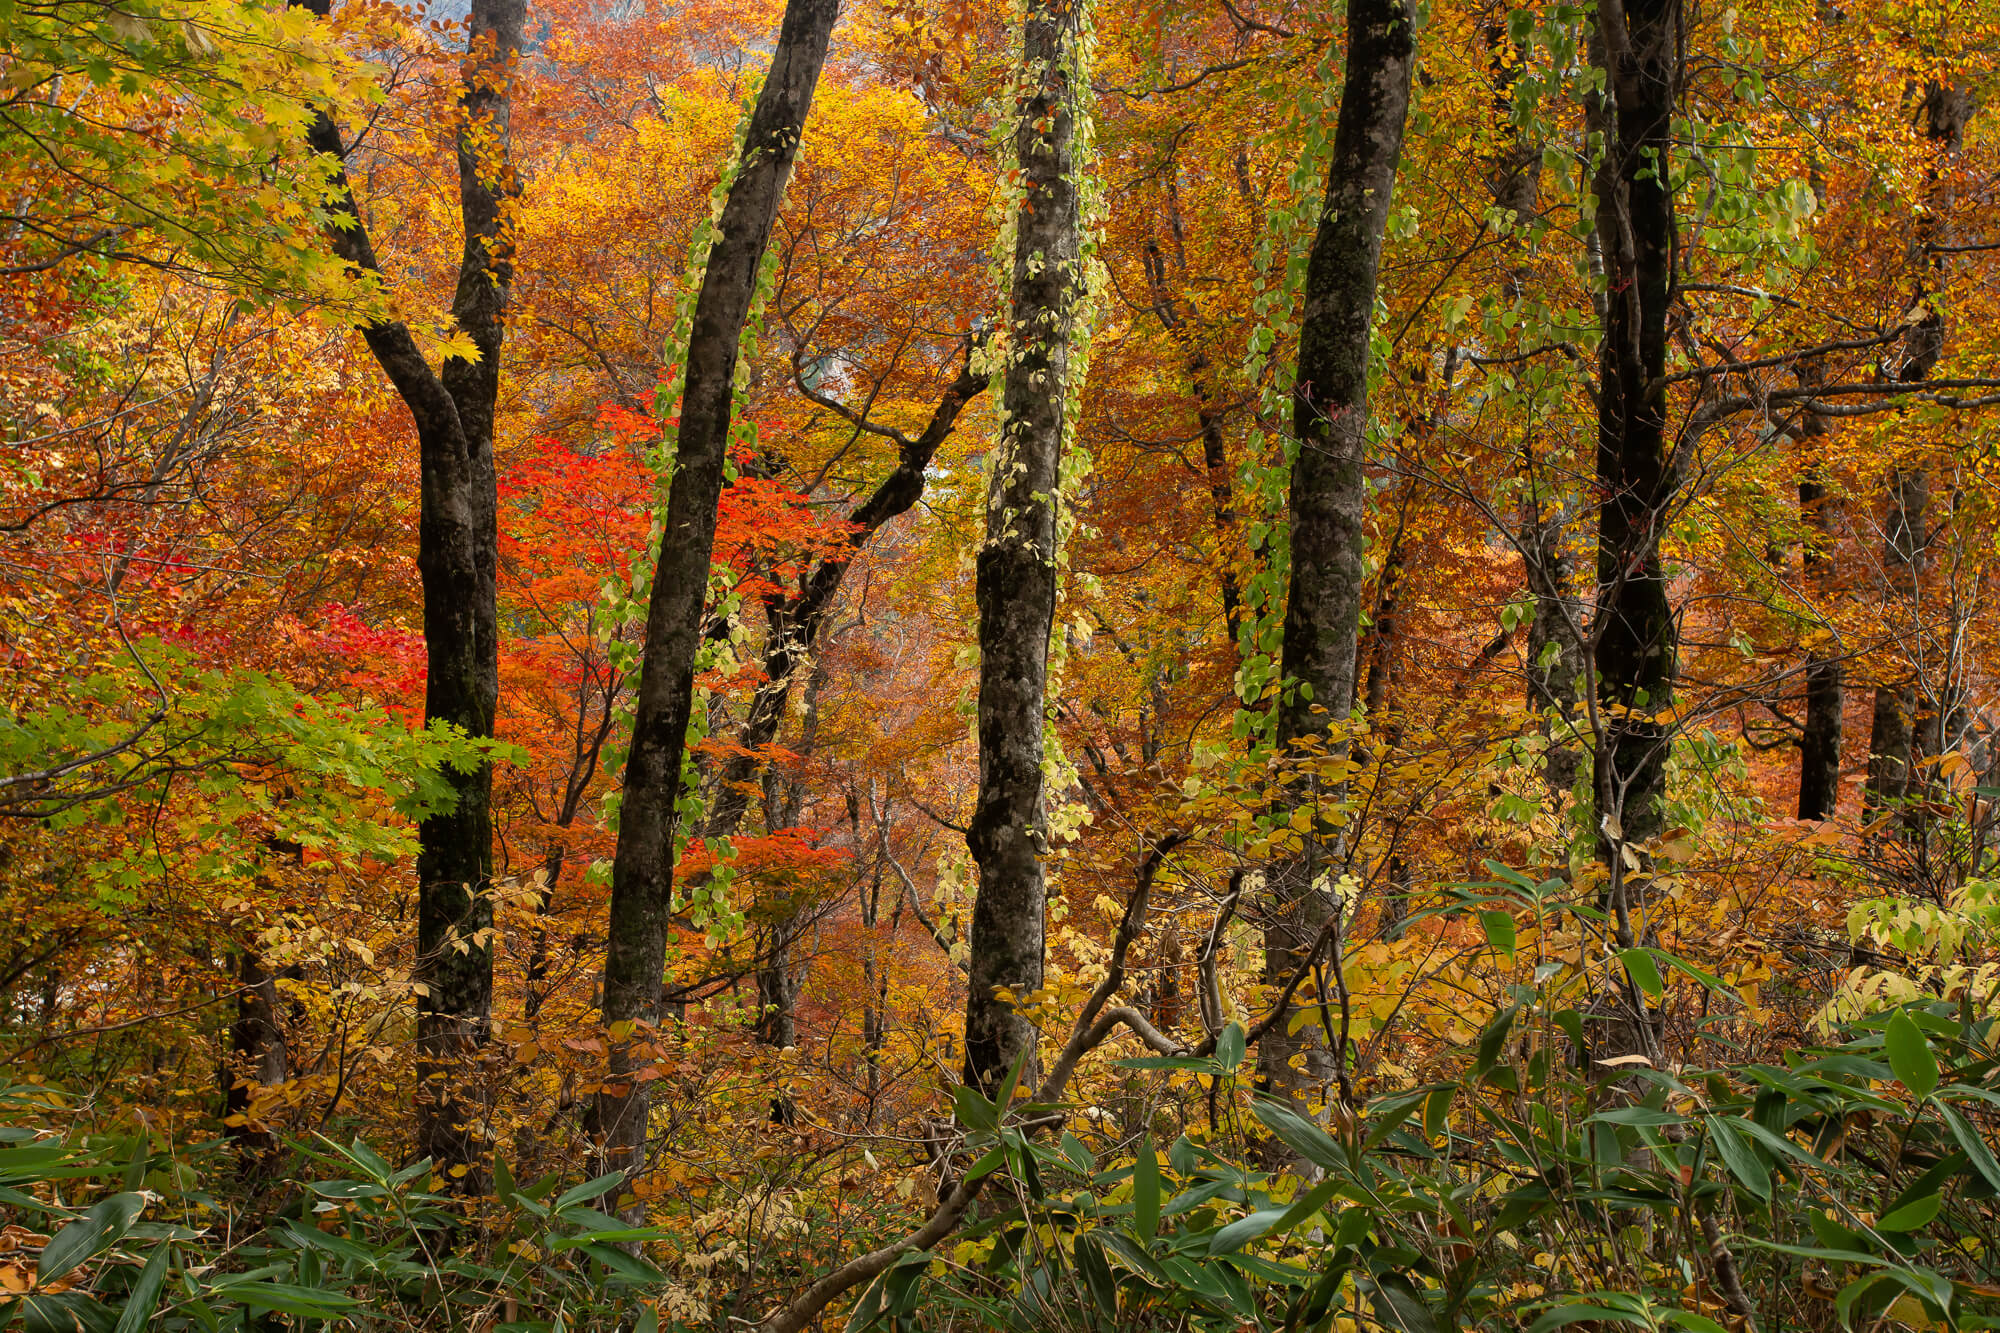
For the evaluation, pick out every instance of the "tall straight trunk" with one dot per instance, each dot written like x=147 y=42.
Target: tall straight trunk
x=1636 y=634
x=1555 y=639
x=1895 y=748
x=1199 y=367
x=259 y=1055
x=1892 y=750
x=1637 y=475
x=1386 y=656
x=1825 y=704
x=453 y=410
x=1328 y=489
x=642 y=876
x=1015 y=576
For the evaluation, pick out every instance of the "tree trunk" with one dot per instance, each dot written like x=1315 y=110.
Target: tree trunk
x=1015 y=578
x=1636 y=634
x=1188 y=337
x=257 y=1045
x=1637 y=478
x=1894 y=749
x=1555 y=633
x=642 y=878
x=453 y=411
x=1328 y=492
x=1825 y=704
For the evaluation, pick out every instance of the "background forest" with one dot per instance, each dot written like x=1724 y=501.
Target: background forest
x=1069 y=664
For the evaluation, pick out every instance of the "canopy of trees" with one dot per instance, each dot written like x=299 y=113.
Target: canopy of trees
x=932 y=664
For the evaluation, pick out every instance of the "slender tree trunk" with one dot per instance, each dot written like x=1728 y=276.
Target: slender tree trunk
x=453 y=411
x=257 y=1045
x=642 y=878
x=1328 y=492
x=1636 y=471
x=1895 y=748
x=1892 y=750
x=795 y=622
x=1825 y=704
x=1187 y=336
x=1555 y=638
x=1015 y=578
x=1636 y=642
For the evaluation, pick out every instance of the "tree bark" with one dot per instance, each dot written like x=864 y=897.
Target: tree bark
x=642 y=878
x=1636 y=633
x=1825 y=705
x=1892 y=750
x=1637 y=478
x=260 y=1058
x=1188 y=337
x=1328 y=490
x=453 y=411
x=1895 y=747
x=1015 y=576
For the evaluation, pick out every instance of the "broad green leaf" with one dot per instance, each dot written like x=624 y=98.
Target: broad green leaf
x=1913 y=1215
x=1244 y=1230
x=1399 y=1306
x=1146 y=1189
x=1738 y=1156
x=1299 y=1134
x=1975 y=1147
x=1230 y=1044
x=589 y=1189
x=1645 y=973
x=1910 y=1055
x=1576 y=1314
x=145 y=1293
x=105 y=1224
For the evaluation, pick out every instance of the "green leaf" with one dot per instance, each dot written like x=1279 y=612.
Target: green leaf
x=1499 y=928
x=1312 y=1201
x=145 y=1293
x=1975 y=1147
x=1910 y=1055
x=1645 y=973
x=1077 y=1155
x=1244 y=1230
x=283 y=1298
x=1637 y=1115
x=1097 y=1276
x=1738 y=1157
x=1005 y=1097
x=1494 y=1040
x=1694 y=1323
x=1778 y=1143
x=1299 y=1134
x=590 y=1189
x=1146 y=1190
x=103 y=1225
x=1683 y=966
x=1230 y=1045
x=1399 y=1305
x=1914 y=1215
x=974 y=1111
x=1576 y=1314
